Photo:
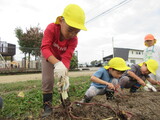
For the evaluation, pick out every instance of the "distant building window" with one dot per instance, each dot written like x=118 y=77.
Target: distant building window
x=132 y=52
x=133 y=61
x=3 y=46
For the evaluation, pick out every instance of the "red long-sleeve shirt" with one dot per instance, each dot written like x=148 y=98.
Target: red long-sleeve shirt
x=51 y=45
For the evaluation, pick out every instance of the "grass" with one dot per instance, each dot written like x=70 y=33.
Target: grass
x=30 y=106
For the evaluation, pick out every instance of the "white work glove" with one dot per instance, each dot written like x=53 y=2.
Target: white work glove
x=66 y=84
x=63 y=84
x=60 y=70
x=149 y=87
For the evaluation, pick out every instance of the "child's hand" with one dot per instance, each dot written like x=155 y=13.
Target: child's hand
x=149 y=87
x=60 y=70
x=142 y=82
x=111 y=86
x=158 y=82
x=117 y=86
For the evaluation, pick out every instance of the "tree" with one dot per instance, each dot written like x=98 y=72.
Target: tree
x=74 y=62
x=96 y=63
x=29 y=41
x=37 y=33
x=93 y=62
x=19 y=34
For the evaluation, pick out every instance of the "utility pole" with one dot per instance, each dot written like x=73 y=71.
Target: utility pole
x=77 y=57
x=102 y=55
x=113 y=46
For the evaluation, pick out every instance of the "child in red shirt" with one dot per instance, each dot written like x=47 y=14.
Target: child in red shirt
x=58 y=44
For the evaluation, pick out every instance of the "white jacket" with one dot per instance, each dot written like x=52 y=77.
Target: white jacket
x=153 y=52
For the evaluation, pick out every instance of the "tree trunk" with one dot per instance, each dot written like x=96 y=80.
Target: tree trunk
x=29 y=60
x=25 y=60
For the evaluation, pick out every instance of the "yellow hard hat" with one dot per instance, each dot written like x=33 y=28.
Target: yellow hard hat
x=74 y=16
x=118 y=64
x=152 y=65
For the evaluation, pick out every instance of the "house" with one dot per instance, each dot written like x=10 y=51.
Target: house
x=7 y=51
x=130 y=55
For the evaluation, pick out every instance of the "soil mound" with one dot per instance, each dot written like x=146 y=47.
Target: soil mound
x=137 y=106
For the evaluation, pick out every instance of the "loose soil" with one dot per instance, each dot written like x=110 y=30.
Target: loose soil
x=141 y=105
x=138 y=106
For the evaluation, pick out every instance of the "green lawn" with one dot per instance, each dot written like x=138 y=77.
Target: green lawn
x=31 y=105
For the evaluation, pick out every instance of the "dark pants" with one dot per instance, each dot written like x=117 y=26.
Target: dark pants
x=47 y=76
x=125 y=82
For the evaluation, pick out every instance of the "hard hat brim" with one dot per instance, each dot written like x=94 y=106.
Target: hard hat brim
x=150 y=70
x=75 y=25
x=119 y=69
x=72 y=24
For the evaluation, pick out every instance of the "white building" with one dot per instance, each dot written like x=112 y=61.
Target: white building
x=134 y=56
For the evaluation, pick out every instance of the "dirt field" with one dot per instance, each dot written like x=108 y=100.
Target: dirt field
x=138 y=106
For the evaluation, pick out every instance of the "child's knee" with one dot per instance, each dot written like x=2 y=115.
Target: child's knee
x=90 y=94
x=123 y=81
x=115 y=81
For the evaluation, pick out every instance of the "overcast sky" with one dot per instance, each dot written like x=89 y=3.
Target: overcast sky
x=126 y=25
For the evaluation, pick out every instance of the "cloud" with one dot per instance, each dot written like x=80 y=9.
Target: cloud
x=126 y=25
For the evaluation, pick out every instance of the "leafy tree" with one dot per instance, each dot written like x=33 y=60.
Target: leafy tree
x=93 y=62
x=19 y=34
x=37 y=33
x=96 y=63
x=29 y=41
x=74 y=62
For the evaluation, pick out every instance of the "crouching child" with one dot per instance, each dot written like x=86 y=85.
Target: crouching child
x=136 y=76
x=102 y=79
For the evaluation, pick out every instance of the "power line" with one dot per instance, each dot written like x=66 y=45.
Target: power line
x=109 y=10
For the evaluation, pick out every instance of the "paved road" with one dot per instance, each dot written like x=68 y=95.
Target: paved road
x=26 y=77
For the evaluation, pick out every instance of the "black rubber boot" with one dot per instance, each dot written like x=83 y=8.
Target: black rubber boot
x=109 y=94
x=47 y=104
x=133 y=89
x=84 y=100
